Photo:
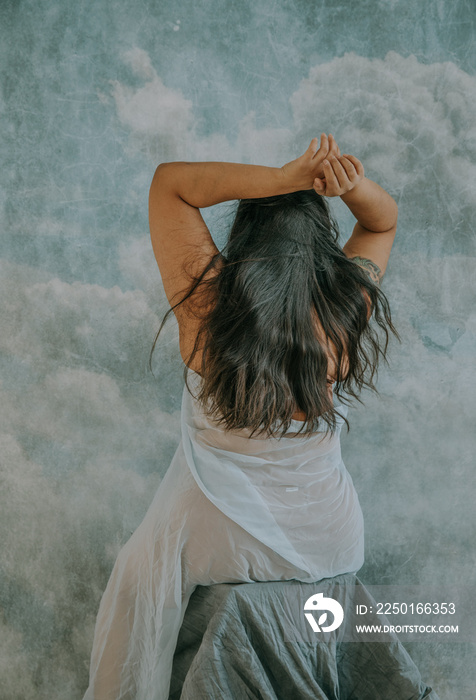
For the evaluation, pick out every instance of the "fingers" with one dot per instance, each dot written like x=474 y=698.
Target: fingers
x=323 y=150
x=339 y=171
x=334 y=149
x=348 y=166
x=319 y=185
x=329 y=183
x=334 y=174
x=327 y=147
x=359 y=168
x=341 y=174
x=335 y=177
x=313 y=146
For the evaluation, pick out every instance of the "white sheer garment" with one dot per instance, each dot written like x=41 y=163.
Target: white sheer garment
x=229 y=509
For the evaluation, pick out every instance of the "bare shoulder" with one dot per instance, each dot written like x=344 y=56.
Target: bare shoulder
x=373 y=270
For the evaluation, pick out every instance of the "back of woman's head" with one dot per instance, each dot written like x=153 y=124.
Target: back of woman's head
x=285 y=299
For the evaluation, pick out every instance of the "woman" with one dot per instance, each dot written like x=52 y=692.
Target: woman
x=274 y=331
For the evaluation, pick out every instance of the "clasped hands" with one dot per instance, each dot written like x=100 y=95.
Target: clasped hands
x=324 y=169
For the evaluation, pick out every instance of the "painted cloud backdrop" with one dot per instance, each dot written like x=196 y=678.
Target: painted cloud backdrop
x=86 y=430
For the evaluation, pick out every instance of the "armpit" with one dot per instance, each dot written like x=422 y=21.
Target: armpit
x=370 y=267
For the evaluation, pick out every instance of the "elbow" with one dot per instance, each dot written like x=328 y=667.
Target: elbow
x=391 y=219
x=396 y=211
x=162 y=179
x=167 y=175
x=161 y=171
x=162 y=167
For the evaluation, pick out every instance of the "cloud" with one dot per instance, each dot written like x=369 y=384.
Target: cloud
x=160 y=118
x=84 y=441
x=54 y=321
x=371 y=95
x=162 y=122
x=139 y=268
x=410 y=123
x=17 y=679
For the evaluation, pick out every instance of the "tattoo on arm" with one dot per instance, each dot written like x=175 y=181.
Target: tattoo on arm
x=370 y=267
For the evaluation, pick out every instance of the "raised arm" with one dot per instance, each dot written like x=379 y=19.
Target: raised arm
x=204 y=184
x=375 y=210
x=182 y=243
x=180 y=189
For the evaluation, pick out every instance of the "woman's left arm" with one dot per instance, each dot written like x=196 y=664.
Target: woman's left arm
x=178 y=231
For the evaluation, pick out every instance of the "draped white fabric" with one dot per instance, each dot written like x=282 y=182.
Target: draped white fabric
x=230 y=509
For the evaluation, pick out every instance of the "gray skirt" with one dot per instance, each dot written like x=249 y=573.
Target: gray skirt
x=251 y=641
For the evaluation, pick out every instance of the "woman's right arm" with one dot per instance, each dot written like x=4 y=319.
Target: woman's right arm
x=374 y=233
x=375 y=210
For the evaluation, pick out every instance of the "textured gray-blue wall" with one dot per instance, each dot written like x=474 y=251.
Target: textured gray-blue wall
x=94 y=95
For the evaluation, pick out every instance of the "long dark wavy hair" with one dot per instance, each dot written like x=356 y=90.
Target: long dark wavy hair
x=283 y=294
